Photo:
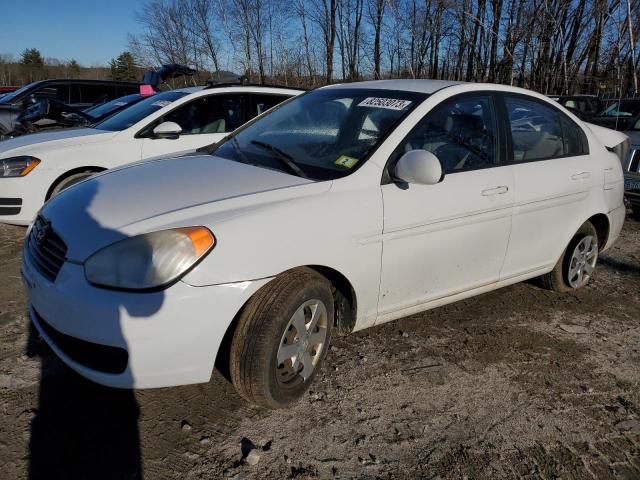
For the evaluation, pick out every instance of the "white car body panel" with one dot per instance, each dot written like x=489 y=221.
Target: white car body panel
x=479 y=230
x=64 y=151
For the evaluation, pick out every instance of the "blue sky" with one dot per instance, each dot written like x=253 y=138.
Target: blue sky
x=91 y=31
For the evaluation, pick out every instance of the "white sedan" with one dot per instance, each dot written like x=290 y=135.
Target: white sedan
x=344 y=208
x=33 y=168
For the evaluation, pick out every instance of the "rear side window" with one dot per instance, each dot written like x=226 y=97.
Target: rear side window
x=461 y=133
x=540 y=132
x=52 y=92
x=91 y=94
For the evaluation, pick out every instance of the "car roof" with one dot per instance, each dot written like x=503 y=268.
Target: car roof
x=82 y=81
x=409 y=85
x=235 y=88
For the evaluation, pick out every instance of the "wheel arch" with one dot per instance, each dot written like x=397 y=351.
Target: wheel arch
x=601 y=223
x=69 y=173
x=345 y=307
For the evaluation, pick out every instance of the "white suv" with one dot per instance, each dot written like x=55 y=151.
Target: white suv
x=35 y=167
x=346 y=207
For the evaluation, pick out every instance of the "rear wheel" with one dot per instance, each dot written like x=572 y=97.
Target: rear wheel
x=635 y=211
x=282 y=339
x=576 y=266
x=70 y=180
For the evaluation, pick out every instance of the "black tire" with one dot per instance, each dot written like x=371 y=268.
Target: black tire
x=635 y=212
x=70 y=180
x=558 y=278
x=262 y=329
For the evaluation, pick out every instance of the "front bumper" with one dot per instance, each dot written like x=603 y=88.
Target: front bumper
x=170 y=337
x=22 y=197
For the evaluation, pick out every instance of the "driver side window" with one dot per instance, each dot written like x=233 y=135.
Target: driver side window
x=210 y=114
x=461 y=133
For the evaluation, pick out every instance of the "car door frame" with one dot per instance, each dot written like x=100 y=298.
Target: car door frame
x=245 y=101
x=426 y=302
x=522 y=208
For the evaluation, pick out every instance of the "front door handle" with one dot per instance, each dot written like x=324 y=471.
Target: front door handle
x=580 y=176
x=495 y=191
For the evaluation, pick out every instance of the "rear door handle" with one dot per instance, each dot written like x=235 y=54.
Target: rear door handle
x=495 y=191
x=580 y=176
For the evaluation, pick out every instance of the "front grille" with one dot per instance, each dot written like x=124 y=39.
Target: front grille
x=102 y=358
x=46 y=249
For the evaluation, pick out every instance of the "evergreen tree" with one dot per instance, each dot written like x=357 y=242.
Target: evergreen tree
x=123 y=67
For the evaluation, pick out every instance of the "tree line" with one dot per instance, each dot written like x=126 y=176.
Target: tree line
x=31 y=66
x=553 y=46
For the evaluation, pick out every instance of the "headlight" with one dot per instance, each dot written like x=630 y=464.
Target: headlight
x=17 y=166
x=149 y=261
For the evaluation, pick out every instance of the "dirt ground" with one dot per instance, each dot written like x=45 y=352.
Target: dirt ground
x=518 y=383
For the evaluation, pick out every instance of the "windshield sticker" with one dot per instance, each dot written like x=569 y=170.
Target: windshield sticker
x=389 y=103
x=347 y=162
x=161 y=103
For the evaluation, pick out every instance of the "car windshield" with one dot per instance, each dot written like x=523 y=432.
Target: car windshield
x=621 y=109
x=9 y=97
x=97 y=111
x=133 y=114
x=325 y=134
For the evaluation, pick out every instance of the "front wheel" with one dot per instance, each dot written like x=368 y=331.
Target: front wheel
x=282 y=338
x=576 y=266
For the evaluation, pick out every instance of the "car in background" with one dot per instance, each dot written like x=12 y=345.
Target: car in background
x=7 y=89
x=77 y=94
x=583 y=106
x=619 y=115
x=347 y=207
x=35 y=167
x=632 y=169
x=94 y=114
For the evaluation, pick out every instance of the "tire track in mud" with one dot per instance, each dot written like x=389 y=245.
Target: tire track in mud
x=496 y=386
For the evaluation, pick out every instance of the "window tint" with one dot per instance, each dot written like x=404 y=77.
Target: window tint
x=541 y=132
x=52 y=92
x=461 y=133
x=212 y=114
x=572 y=136
x=262 y=103
x=625 y=108
x=91 y=94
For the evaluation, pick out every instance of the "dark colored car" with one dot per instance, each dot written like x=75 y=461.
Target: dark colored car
x=632 y=169
x=76 y=94
x=583 y=106
x=619 y=115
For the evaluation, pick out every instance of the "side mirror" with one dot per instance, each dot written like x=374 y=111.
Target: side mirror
x=419 y=166
x=170 y=130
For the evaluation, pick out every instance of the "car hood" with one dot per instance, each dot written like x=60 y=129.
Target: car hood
x=36 y=142
x=153 y=195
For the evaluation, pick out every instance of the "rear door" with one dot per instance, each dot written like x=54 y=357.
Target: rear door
x=554 y=176
x=204 y=120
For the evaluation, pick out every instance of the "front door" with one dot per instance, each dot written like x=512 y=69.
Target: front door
x=204 y=121
x=443 y=239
